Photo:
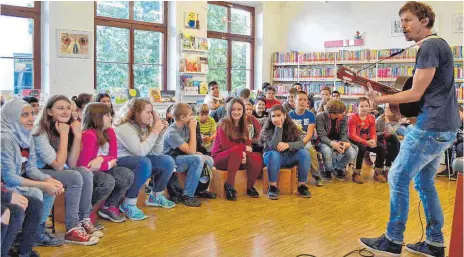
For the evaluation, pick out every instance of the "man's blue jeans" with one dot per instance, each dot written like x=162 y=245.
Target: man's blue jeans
x=419 y=159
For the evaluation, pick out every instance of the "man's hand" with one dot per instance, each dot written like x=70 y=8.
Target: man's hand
x=372 y=94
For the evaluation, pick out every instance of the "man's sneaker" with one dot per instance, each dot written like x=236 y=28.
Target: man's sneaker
x=444 y=173
x=319 y=181
x=231 y=193
x=327 y=176
x=206 y=194
x=111 y=213
x=190 y=201
x=379 y=177
x=77 y=235
x=44 y=238
x=424 y=249
x=273 y=193
x=356 y=177
x=90 y=229
x=381 y=245
x=252 y=192
x=159 y=201
x=304 y=191
x=454 y=176
x=367 y=159
x=132 y=212
x=339 y=175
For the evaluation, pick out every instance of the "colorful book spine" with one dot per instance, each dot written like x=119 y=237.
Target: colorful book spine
x=457 y=51
x=394 y=72
x=280 y=57
x=459 y=90
x=285 y=73
x=458 y=71
x=317 y=73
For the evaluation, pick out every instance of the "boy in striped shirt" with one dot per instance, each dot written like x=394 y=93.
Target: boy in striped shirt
x=207 y=126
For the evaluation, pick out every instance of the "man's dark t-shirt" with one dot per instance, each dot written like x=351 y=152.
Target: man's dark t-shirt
x=440 y=107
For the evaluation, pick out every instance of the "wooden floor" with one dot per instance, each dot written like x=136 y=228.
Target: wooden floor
x=328 y=224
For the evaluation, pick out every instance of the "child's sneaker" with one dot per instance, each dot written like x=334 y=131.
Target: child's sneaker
x=159 y=201
x=90 y=229
x=132 y=212
x=77 y=235
x=111 y=213
x=367 y=159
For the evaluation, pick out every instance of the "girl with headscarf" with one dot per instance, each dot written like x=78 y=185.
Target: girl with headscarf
x=19 y=171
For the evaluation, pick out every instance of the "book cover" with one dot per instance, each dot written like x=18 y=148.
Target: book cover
x=183 y=65
x=203 y=88
x=186 y=81
x=168 y=96
x=31 y=92
x=6 y=95
x=134 y=93
x=202 y=43
x=203 y=64
x=155 y=95
x=192 y=65
x=187 y=42
x=121 y=95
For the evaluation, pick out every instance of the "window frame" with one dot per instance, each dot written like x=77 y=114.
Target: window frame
x=229 y=37
x=133 y=25
x=29 y=13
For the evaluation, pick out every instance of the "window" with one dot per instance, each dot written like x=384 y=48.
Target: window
x=20 y=51
x=231 y=44
x=130 y=45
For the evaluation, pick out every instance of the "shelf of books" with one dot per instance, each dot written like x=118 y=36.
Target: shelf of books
x=318 y=69
x=193 y=68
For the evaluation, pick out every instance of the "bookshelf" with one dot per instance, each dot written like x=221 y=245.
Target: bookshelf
x=318 y=69
x=193 y=69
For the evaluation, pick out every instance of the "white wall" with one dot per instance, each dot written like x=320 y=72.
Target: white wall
x=68 y=76
x=306 y=25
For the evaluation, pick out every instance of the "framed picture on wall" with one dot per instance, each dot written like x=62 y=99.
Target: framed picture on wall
x=73 y=43
x=395 y=28
x=458 y=22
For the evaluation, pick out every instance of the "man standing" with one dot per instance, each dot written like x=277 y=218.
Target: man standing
x=434 y=132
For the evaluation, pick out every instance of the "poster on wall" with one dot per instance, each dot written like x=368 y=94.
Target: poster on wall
x=396 y=30
x=191 y=20
x=73 y=43
x=458 y=22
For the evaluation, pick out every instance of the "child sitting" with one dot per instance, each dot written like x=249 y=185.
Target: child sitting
x=207 y=126
x=283 y=147
x=289 y=105
x=362 y=132
x=270 y=98
x=232 y=149
x=180 y=142
x=260 y=112
x=306 y=121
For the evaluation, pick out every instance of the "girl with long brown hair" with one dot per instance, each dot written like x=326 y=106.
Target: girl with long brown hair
x=140 y=134
x=99 y=153
x=283 y=147
x=57 y=138
x=232 y=149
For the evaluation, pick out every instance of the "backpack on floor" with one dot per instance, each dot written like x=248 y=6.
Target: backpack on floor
x=174 y=188
x=205 y=179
